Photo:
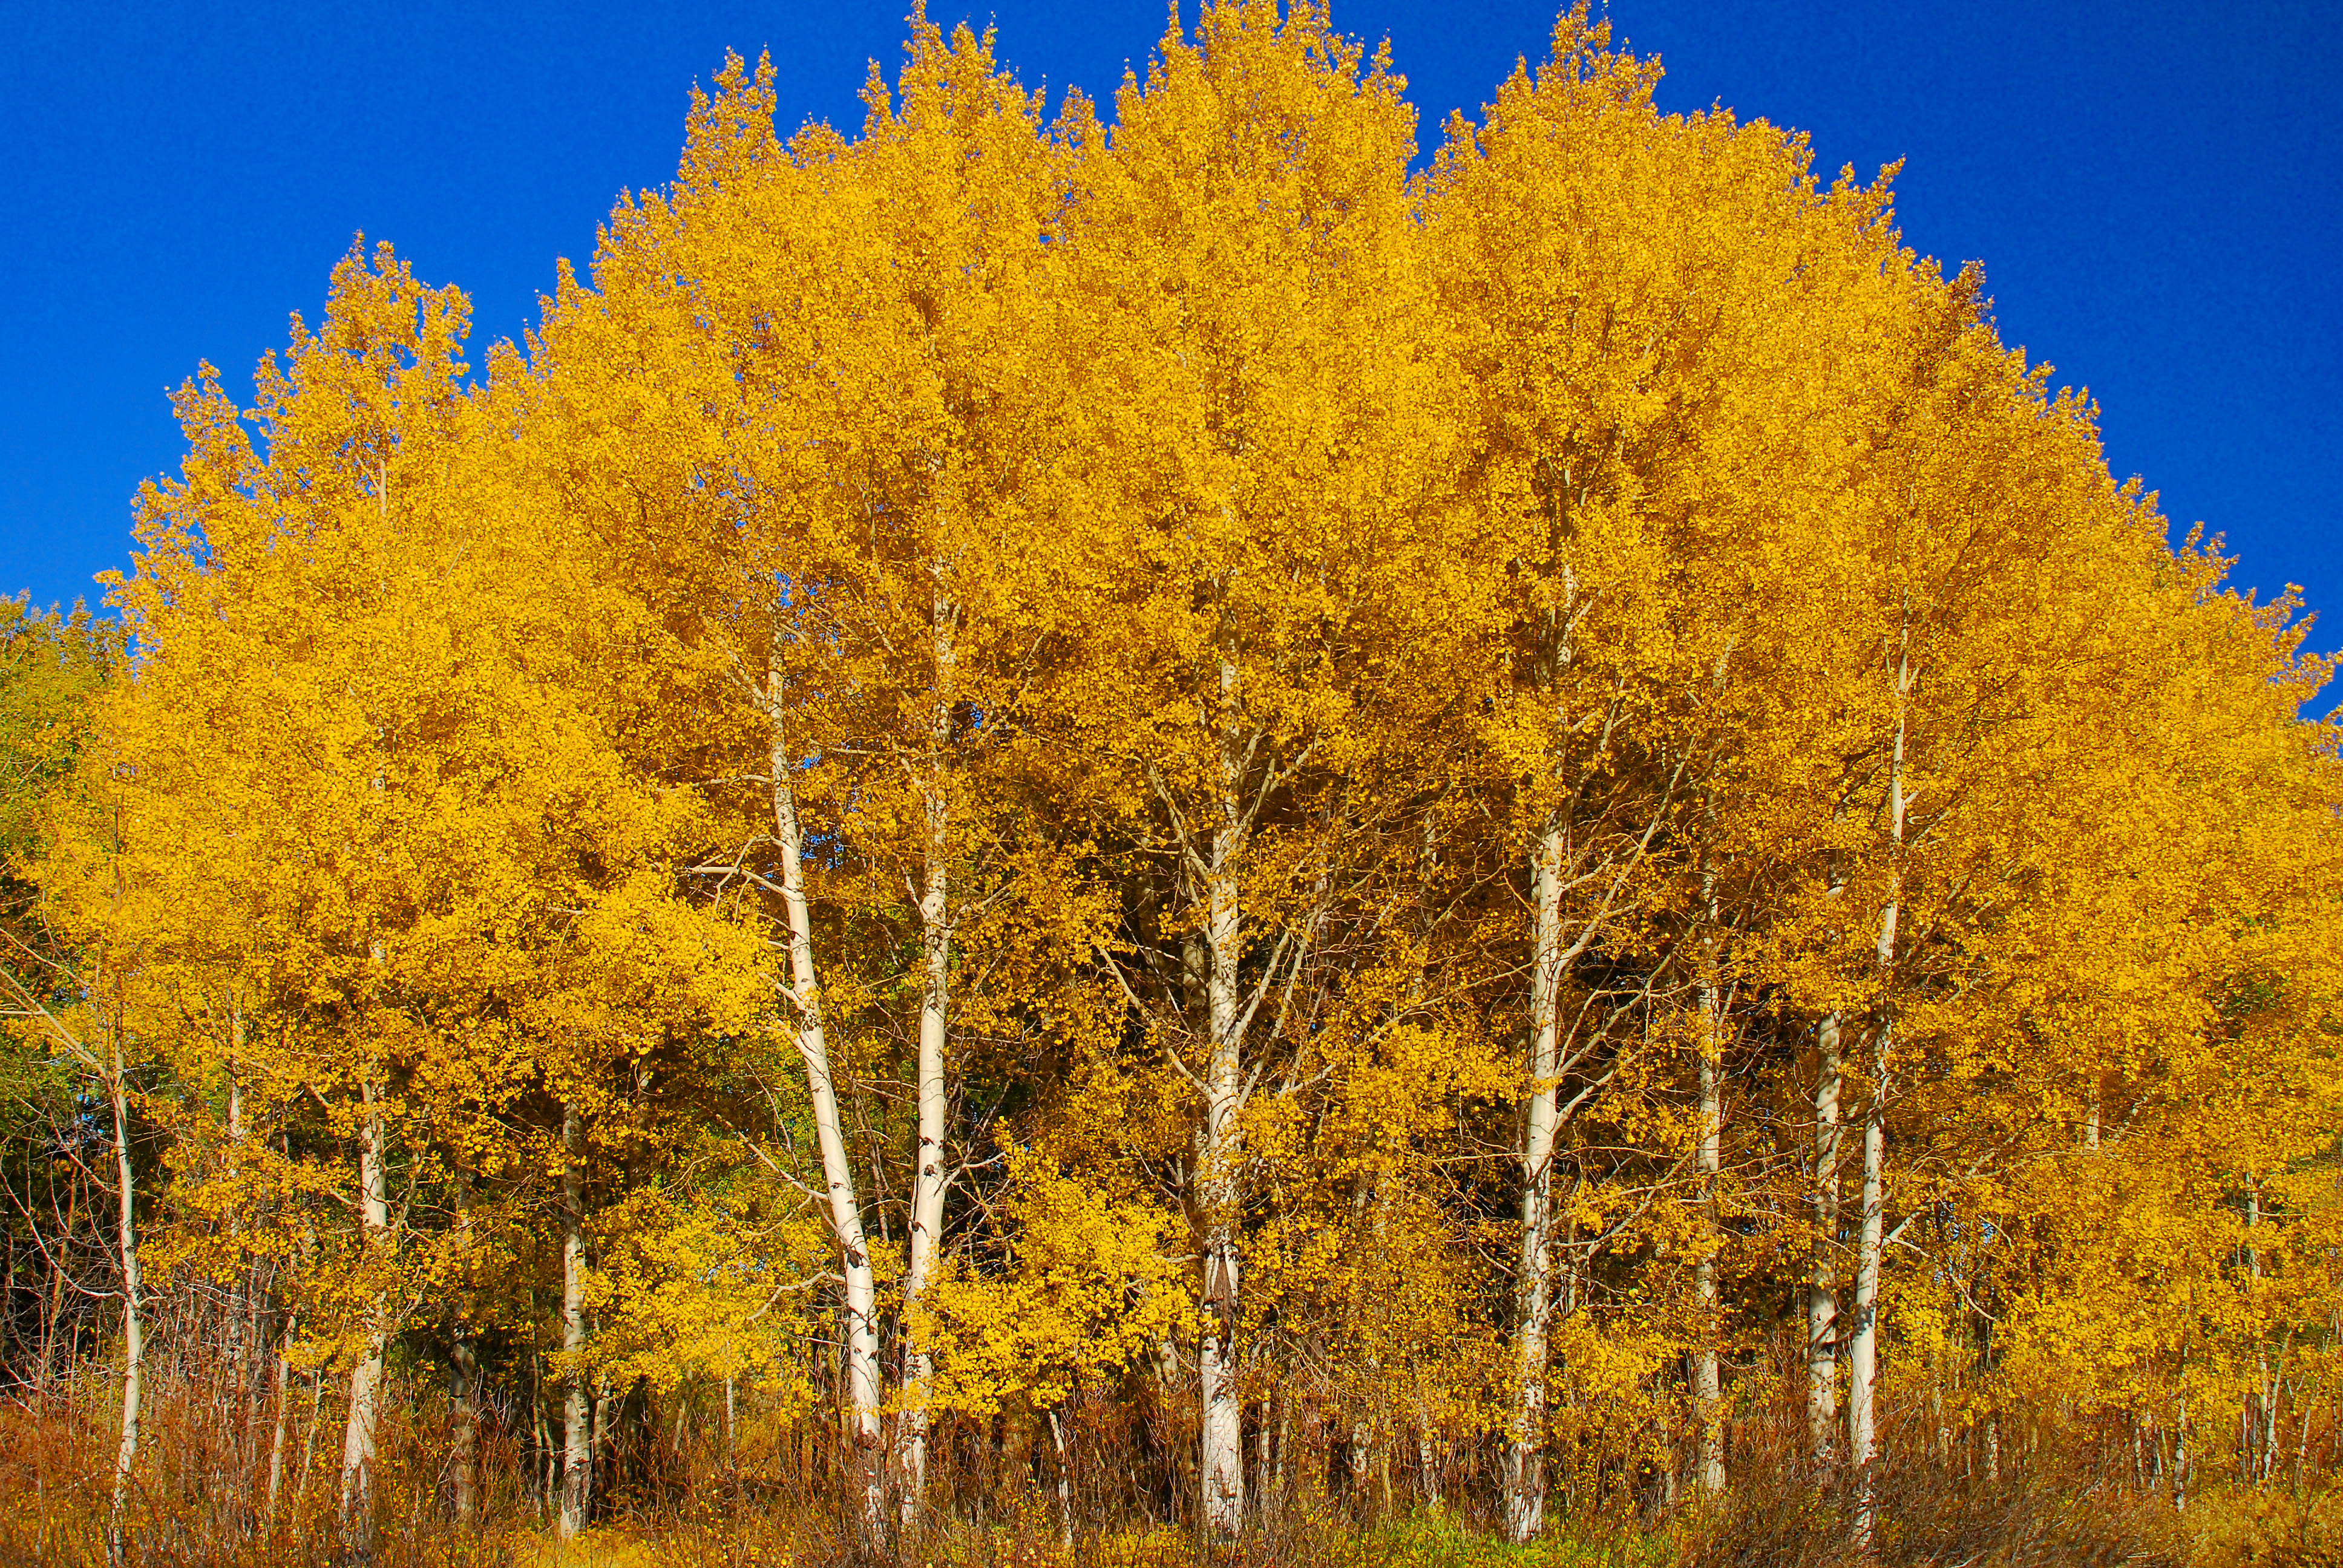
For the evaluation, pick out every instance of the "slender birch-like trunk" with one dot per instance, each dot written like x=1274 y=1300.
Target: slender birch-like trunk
x=366 y=1376
x=239 y=1347
x=928 y=1181
x=1707 y=1381
x=1221 y=1460
x=576 y=1432
x=1220 y=1471
x=861 y=1329
x=1822 y=1280
x=1864 y=1345
x=1863 y=1340
x=2251 y=1450
x=1524 y=1473
x=134 y=1327
x=2180 y=1445
x=1065 y=1480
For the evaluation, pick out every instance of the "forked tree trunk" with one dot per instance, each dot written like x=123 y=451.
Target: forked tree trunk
x=365 y=1374
x=576 y=1432
x=861 y=1328
x=1525 y=1474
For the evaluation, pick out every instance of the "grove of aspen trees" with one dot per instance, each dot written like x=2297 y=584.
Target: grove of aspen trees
x=1121 y=819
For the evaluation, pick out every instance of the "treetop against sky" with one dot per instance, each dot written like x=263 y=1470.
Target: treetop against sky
x=2152 y=188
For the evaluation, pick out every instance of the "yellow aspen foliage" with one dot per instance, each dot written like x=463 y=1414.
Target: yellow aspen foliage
x=1152 y=804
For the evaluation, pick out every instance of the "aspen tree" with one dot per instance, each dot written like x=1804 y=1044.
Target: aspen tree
x=577 y=1455
x=595 y=346
x=1258 y=479
x=948 y=195
x=367 y=406
x=904 y=298
x=1862 y=1349
x=1580 y=263
x=451 y=790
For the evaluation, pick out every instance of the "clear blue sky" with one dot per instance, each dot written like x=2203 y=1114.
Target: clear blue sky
x=2153 y=190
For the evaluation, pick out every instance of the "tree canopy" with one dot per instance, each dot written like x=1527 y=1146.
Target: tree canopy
x=1166 y=787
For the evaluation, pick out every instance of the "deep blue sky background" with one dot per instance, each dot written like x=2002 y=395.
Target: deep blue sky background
x=2153 y=190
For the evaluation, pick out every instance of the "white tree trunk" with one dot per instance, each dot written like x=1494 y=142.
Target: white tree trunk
x=366 y=1376
x=2259 y=1410
x=1221 y=1471
x=2180 y=1446
x=928 y=1178
x=1065 y=1481
x=1822 y=1283
x=1864 y=1347
x=1524 y=1473
x=241 y=1296
x=1707 y=1381
x=577 y=1437
x=1863 y=1340
x=134 y=1327
x=861 y=1328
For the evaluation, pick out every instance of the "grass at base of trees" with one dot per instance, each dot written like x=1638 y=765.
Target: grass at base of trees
x=55 y=1467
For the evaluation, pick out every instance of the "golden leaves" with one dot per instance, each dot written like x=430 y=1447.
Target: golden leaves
x=1216 y=562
